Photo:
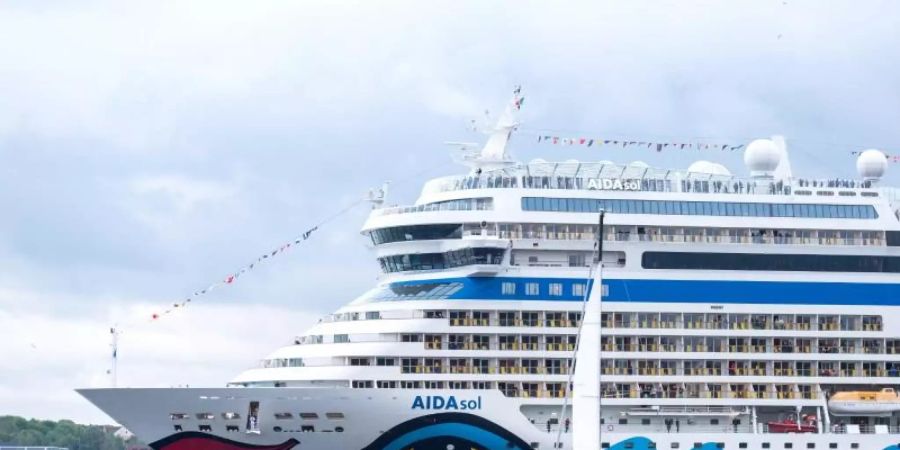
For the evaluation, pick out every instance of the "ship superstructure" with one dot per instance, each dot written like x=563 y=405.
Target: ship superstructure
x=733 y=308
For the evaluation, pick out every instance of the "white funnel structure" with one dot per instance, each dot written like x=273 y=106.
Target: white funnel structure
x=586 y=380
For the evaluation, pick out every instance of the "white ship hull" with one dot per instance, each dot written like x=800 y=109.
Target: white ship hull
x=377 y=419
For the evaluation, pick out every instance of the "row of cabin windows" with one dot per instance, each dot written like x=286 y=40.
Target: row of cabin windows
x=435 y=261
x=207 y=416
x=770 y=262
x=462 y=204
x=570 y=231
x=553 y=289
x=688 y=208
x=278 y=429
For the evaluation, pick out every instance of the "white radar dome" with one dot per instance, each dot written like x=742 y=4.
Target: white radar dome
x=871 y=164
x=762 y=157
x=709 y=167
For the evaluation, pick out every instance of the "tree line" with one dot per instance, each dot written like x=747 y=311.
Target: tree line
x=64 y=433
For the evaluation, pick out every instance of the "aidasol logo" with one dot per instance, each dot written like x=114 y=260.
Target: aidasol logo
x=447 y=403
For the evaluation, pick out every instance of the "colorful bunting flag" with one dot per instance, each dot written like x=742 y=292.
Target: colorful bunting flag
x=230 y=278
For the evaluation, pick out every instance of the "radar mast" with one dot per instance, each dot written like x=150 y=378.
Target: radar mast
x=495 y=154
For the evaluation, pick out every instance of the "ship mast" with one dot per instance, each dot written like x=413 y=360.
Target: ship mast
x=584 y=380
x=495 y=154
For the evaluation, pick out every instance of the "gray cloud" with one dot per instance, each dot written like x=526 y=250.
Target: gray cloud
x=149 y=149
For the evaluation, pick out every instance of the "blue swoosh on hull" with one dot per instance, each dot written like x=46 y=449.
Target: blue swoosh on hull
x=678 y=291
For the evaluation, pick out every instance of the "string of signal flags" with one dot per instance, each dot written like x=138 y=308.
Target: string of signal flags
x=659 y=146
x=234 y=276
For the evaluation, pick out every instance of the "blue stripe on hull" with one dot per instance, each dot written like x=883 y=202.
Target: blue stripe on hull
x=753 y=292
x=684 y=291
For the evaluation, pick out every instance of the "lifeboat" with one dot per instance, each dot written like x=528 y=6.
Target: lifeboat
x=792 y=426
x=864 y=403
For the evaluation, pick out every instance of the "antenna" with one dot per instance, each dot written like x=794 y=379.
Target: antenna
x=494 y=154
x=377 y=196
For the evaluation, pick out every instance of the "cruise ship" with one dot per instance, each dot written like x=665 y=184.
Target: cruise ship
x=704 y=310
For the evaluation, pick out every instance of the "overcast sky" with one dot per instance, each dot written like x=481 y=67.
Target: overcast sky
x=149 y=148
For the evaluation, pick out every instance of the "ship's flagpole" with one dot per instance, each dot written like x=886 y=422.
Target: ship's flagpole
x=584 y=375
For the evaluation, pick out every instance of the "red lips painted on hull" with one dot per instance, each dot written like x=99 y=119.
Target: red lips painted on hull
x=193 y=440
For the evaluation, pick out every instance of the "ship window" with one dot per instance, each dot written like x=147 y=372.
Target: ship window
x=532 y=289
x=623 y=421
x=556 y=289
x=893 y=238
x=284 y=416
x=231 y=428
x=205 y=416
x=854 y=445
x=604 y=445
x=179 y=416
x=205 y=428
x=788 y=445
x=713 y=421
x=231 y=416
x=334 y=415
x=178 y=428
x=675 y=445
x=308 y=416
x=810 y=445
x=307 y=428
x=645 y=421
x=578 y=290
x=537 y=445
x=742 y=445
x=341 y=338
x=766 y=445
x=416 y=233
x=832 y=445
x=508 y=288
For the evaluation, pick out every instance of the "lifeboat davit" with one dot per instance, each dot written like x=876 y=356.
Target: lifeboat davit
x=864 y=403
